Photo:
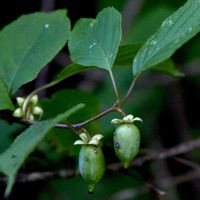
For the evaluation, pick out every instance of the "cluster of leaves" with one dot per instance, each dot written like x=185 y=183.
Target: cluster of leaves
x=30 y=42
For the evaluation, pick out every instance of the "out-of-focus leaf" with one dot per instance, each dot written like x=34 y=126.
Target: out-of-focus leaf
x=176 y=30
x=168 y=67
x=71 y=70
x=12 y=159
x=126 y=54
x=95 y=42
x=28 y=44
x=66 y=98
x=7 y=132
x=61 y=140
x=119 y=4
x=117 y=183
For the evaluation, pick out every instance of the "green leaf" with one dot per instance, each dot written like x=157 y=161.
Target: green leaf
x=126 y=54
x=5 y=101
x=61 y=139
x=12 y=159
x=71 y=70
x=168 y=67
x=65 y=99
x=7 y=132
x=94 y=42
x=28 y=44
x=173 y=33
x=124 y=57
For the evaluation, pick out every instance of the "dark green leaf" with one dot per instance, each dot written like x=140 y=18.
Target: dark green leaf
x=5 y=101
x=116 y=183
x=173 y=33
x=28 y=44
x=167 y=67
x=94 y=42
x=12 y=159
x=65 y=99
x=71 y=70
x=126 y=54
x=7 y=132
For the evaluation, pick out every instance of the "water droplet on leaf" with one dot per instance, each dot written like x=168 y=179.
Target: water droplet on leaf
x=46 y=25
x=190 y=29
x=167 y=22
x=92 y=45
x=153 y=42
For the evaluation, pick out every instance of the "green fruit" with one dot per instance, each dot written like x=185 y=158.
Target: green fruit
x=126 y=142
x=91 y=164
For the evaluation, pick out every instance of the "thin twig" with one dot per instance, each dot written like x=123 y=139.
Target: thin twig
x=186 y=162
x=129 y=91
x=132 y=193
x=114 y=85
x=39 y=176
x=155 y=189
x=182 y=148
x=78 y=126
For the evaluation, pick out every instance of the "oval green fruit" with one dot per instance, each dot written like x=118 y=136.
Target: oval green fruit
x=91 y=164
x=126 y=142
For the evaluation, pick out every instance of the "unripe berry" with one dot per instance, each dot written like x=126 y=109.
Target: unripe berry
x=91 y=164
x=126 y=143
x=126 y=139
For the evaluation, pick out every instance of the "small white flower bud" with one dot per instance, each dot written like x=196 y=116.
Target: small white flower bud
x=20 y=101
x=18 y=113
x=34 y=99
x=37 y=110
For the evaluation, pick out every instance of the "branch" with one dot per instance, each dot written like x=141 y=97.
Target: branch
x=39 y=176
x=128 y=94
x=171 y=152
x=132 y=193
x=114 y=85
x=78 y=126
